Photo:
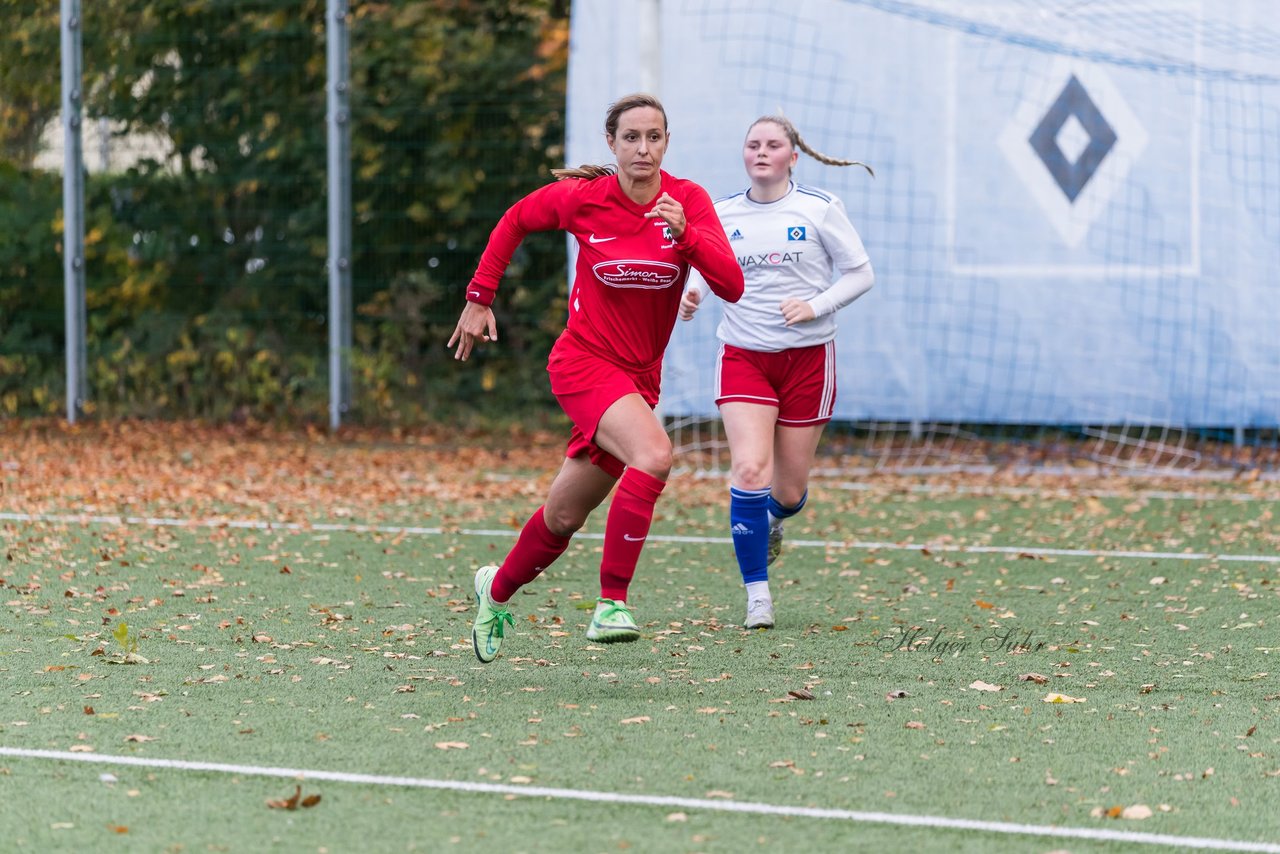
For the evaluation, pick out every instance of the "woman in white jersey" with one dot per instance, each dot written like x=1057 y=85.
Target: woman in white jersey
x=776 y=375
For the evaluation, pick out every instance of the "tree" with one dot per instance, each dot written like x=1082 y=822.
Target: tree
x=212 y=251
x=30 y=77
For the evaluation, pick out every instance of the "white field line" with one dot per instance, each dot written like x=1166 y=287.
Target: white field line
x=1134 y=473
x=868 y=545
x=1059 y=493
x=666 y=801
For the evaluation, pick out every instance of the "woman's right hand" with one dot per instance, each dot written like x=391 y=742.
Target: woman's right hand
x=689 y=303
x=477 y=323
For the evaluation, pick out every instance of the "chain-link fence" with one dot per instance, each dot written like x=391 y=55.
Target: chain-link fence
x=205 y=223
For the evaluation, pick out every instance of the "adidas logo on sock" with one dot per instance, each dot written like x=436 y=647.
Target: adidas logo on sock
x=740 y=529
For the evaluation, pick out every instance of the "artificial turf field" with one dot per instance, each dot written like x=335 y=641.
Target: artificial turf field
x=197 y=622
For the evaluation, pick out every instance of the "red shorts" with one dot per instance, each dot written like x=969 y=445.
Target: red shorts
x=800 y=382
x=586 y=385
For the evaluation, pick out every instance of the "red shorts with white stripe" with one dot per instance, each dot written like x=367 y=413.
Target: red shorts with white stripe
x=800 y=382
x=586 y=384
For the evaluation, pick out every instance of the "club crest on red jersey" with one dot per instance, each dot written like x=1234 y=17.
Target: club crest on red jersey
x=647 y=275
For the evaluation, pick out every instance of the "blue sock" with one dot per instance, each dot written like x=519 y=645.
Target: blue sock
x=777 y=511
x=749 y=523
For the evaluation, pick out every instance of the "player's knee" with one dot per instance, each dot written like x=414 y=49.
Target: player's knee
x=656 y=459
x=751 y=474
x=563 y=521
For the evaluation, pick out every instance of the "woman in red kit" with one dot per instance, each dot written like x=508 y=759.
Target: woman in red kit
x=639 y=230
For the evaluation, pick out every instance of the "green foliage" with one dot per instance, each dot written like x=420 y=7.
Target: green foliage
x=206 y=272
x=31 y=320
x=30 y=83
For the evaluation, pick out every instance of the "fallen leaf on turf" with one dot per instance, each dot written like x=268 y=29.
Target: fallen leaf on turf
x=896 y=695
x=984 y=605
x=979 y=685
x=643 y=719
x=677 y=816
x=801 y=694
x=451 y=745
x=1062 y=698
x=118 y=828
x=139 y=738
x=1033 y=677
x=1137 y=812
x=913 y=725
x=294 y=802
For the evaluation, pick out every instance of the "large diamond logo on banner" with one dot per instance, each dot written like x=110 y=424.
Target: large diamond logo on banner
x=1072 y=142
x=1072 y=168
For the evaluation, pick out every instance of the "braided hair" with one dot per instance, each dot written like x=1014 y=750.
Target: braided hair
x=797 y=141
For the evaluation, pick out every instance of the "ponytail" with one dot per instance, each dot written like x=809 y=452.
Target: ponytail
x=587 y=171
x=798 y=142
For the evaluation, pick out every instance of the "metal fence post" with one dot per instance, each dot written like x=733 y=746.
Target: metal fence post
x=339 y=174
x=73 y=211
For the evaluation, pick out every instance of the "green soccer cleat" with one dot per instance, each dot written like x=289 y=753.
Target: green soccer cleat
x=775 y=542
x=612 y=623
x=487 y=631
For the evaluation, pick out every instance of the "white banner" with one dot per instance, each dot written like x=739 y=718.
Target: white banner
x=1076 y=212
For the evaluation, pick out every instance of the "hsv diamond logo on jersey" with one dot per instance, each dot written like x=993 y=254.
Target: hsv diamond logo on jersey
x=795 y=232
x=647 y=275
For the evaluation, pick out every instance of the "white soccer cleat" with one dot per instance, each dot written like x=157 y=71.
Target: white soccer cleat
x=759 y=614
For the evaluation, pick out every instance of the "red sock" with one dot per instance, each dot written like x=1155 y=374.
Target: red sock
x=535 y=550
x=625 y=530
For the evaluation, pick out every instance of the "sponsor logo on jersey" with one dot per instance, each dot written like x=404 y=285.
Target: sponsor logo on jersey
x=769 y=259
x=737 y=234
x=646 y=275
x=795 y=232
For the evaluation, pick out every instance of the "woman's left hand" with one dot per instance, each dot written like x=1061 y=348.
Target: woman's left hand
x=796 y=311
x=671 y=212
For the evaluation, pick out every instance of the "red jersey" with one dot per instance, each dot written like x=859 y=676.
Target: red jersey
x=630 y=273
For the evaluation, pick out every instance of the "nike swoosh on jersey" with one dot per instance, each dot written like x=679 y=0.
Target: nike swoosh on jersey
x=594 y=239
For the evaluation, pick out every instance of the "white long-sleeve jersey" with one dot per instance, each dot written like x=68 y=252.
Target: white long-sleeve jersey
x=800 y=246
